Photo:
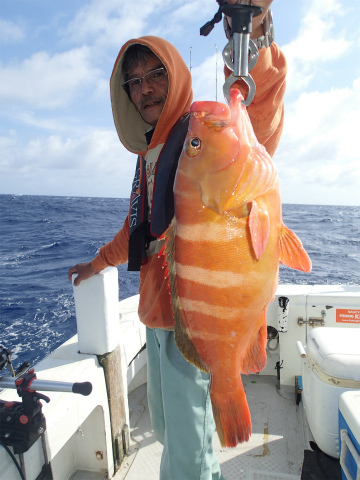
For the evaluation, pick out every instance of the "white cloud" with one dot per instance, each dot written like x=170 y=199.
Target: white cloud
x=46 y=82
x=29 y=119
x=89 y=165
x=317 y=42
x=10 y=32
x=318 y=146
x=110 y=22
x=316 y=152
x=317 y=157
x=315 y=112
x=98 y=149
x=343 y=175
x=184 y=16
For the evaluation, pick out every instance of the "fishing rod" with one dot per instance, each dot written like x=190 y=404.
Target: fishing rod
x=22 y=423
x=241 y=53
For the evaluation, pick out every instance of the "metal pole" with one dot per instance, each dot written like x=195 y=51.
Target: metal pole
x=83 y=388
x=216 y=64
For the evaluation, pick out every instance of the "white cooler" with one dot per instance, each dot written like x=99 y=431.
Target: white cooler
x=330 y=368
x=349 y=428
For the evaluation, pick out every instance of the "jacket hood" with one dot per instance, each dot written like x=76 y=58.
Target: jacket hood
x=130 y=127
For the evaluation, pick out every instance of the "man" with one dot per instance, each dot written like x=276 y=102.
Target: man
x=151 y=95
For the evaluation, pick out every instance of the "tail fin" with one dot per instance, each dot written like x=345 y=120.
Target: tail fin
x=232 y=416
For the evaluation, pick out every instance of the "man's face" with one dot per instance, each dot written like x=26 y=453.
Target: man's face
x=149 y=96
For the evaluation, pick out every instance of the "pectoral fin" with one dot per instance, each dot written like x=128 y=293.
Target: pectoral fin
x=292 y=252
x=259 y=224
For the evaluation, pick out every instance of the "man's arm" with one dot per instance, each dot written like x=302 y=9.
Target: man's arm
x=266 y=111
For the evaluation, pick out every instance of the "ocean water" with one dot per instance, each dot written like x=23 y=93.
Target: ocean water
x=41 y=237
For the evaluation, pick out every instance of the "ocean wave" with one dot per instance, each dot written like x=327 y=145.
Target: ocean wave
x=43 y=236
x=27 y=254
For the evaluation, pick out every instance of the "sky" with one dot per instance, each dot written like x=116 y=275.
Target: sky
x=57 y=135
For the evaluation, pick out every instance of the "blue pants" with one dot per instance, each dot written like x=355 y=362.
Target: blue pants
x=180 y=411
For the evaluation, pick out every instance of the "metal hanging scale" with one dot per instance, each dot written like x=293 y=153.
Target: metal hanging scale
x=241 y=53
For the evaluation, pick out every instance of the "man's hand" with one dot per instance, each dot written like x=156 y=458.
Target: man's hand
x=84 y=271
x=257 y=30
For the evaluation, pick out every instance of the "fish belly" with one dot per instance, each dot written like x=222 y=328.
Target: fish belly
x=222 y=292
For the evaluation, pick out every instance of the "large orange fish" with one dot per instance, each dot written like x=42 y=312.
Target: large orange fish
x=222 y=253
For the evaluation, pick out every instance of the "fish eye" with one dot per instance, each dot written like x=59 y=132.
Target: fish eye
x=193 y=146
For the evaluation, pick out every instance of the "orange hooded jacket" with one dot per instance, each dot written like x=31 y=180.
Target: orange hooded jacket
x=266 y=113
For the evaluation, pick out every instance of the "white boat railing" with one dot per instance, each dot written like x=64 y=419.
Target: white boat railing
x=92 y=433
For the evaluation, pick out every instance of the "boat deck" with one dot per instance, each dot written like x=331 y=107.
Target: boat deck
x=274 y=451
